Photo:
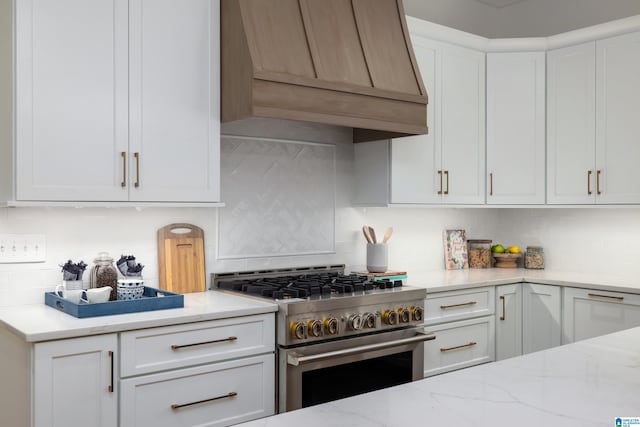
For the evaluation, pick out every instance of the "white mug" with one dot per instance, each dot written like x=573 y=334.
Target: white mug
x=73 y=295
x=97 y=294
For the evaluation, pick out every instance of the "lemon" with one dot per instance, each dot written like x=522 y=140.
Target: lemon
x=498 y=249
x=513 y=250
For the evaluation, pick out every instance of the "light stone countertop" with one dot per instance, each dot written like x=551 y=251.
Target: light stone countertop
x=588 y=383
x=442 y=280
x=39 y=322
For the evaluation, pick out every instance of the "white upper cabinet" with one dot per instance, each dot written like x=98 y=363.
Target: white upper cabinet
x=447 y=165
x=617 y=114
x=592 y=111
x=571 y=125
x=71 y=99
x=117 y=101
x=516 y=128
x=174 y=100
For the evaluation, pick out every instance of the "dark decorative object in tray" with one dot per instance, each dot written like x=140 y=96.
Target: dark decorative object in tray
x=152 y=299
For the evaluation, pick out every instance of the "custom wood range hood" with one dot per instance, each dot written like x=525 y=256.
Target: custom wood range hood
x=340 y=62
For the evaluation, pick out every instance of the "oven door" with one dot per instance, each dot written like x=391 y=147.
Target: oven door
x=323 y=372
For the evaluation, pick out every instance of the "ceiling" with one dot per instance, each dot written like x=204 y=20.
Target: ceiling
x=500 y=3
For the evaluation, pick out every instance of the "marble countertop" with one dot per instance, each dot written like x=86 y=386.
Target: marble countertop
x=443 y=280
x=588 y=383
x=39 y=322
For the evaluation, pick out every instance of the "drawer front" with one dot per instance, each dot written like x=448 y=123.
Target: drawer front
x=217 y=394
x=158 y=349
x=457 y=305
x=459 y=345
x=589 y=313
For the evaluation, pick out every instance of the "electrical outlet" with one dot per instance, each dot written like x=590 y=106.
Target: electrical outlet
x=22 y=248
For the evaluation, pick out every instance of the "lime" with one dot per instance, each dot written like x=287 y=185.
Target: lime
x=498 y=249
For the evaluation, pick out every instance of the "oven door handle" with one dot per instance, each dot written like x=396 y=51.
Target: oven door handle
x=296 y=359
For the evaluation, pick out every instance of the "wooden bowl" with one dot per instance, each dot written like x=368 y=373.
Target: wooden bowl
x=506 y=260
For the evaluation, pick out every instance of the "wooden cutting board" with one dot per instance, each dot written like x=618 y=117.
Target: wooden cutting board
x=181 y=258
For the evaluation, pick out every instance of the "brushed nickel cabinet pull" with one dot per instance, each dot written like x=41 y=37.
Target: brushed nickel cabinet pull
x=123 y=184
x=589 y=192
x=110 y=388
x=136 y=155
x=471 y=344
x=606 y=296
x=491 y=184
x=447 y=175
x=445 y=307
x=176 y=406
x=177 y=347
x=503 y=311
x=440 y=174
x=598 y=172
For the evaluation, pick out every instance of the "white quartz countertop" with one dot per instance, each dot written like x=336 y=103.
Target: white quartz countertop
x=588 y=383
x=442 y=280
x=40 y=322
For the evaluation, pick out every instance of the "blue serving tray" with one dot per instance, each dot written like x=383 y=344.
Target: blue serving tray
x=151 y=300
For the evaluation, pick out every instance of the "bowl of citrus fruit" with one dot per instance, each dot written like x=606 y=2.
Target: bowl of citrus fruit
x=505 y=257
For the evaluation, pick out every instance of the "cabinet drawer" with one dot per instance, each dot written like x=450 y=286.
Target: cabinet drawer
x=212 y=395
x=459 y=345
x=157 y=349
x=457 y=305
x=591 y=313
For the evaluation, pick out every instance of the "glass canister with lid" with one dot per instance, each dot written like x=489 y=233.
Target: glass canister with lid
x=104 y=273
x=479 y=253
x=534 y=258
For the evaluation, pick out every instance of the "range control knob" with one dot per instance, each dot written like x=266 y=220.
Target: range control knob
x=331 y=325
x=390 y=317
x=314 y=327
x=404 y=315
x=417 y=313
x=369 y=320
x=355 y=321
x=298 y=330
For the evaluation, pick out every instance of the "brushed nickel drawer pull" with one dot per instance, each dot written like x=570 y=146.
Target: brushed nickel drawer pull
x=503 y=311
x=177 y=347
x=440 y=174
x=446 y=307
x=589 y=192
x=606 y=296
x=123 y=184
x=491 y=184
x=110 y=388
x=471 y=344
x=176 y=406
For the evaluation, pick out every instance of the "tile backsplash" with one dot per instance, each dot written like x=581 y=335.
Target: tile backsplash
x=588 y=239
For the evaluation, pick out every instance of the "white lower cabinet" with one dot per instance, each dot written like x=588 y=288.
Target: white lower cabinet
x=528 y=317
x=217 y=394
x=459 y=345
x=590 y=313
x=508 y=321
x=74 y=382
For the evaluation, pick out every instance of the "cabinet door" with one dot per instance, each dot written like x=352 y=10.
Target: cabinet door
x=460 y=124
x=415 y=160
x=71 y=99
x=571 y=125
x=516 y=128
x=540 y=317
x=618 y=91
x=508 y=321
x=174 y=84
x=74 y=382
x=588 y=313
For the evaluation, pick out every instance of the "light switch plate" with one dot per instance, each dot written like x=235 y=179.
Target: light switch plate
x=22 y=248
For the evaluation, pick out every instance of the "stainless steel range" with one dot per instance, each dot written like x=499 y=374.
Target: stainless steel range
x=338 y=335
